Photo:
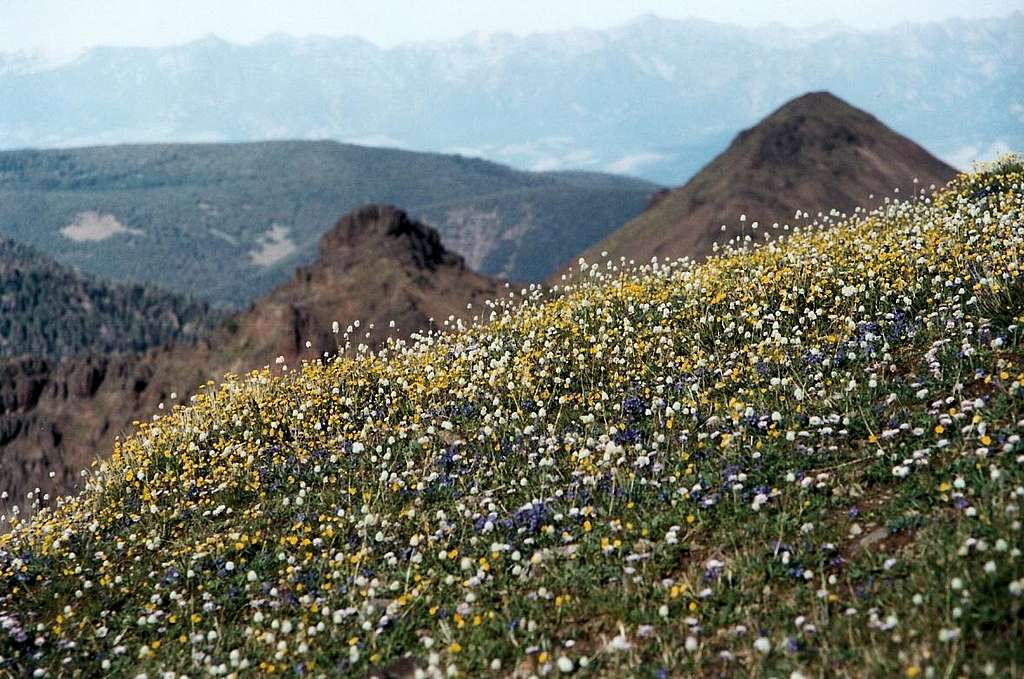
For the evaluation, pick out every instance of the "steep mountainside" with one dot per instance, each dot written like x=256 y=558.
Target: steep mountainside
x=814 y=472
x=656 y=97
x=376 y=265
x=816 y=153
x=227 y=222
x=50 y=310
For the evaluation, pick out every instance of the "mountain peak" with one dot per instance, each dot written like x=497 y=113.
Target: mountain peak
x=209 y=41
x=814 y=102
x=814 y=153
x=822 y=106
x=378 y=226
x=377 y=264
x=819 y=132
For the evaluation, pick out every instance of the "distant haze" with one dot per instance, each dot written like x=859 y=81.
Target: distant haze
x=64 y=28
x=655 y=97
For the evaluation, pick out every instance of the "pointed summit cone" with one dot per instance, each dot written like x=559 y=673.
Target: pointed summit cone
x=814 y=154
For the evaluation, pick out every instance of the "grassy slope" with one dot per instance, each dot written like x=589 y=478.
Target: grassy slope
x=805 y=459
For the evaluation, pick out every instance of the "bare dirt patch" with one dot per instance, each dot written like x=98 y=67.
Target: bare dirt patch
x=92 y=226
x=273 y=245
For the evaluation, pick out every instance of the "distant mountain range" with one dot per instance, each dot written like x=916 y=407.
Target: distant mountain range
x=50 y=310
x=656 y=98
x=816 y=156
x=376 y=265
x=227 y=222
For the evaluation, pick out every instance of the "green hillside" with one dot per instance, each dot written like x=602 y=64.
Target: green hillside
x=798 y=461
x=226 y=222
x=52 y=311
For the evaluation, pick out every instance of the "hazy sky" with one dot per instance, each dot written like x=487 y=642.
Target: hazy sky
x=62 y=28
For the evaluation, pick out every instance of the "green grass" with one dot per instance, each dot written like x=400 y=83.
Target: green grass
x=801 y=460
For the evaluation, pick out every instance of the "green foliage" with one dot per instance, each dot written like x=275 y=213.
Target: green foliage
x=800 y=460
x=50 y=310
x=196 y=214
x=1007 y=164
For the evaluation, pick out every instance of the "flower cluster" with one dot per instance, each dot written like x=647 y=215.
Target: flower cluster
x=797 y=459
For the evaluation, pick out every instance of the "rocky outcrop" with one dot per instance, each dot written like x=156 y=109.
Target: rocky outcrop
x=375 y=225
x=376 y=265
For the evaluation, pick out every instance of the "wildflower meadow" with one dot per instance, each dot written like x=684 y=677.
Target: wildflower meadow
x=800 y=458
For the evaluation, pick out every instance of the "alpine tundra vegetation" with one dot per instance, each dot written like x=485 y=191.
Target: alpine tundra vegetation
x=800 y=458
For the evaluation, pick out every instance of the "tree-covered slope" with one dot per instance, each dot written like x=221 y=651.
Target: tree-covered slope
x=227 y=222
x=50 y=310
x=803 y=460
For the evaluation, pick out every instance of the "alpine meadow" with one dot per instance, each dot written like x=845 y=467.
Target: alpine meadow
x=798 y=458
x=511 y=339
